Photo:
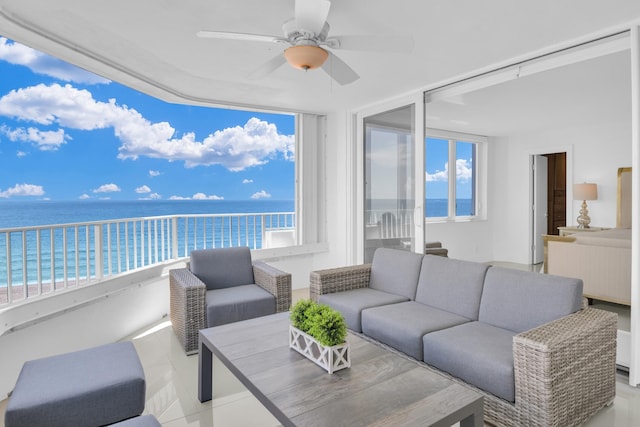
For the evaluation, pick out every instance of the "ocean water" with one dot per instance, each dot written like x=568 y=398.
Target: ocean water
x=34 y=213
x=434 y=208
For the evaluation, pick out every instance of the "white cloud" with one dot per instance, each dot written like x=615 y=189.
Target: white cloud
x=154 y=173
x=23 y=190
x=235 y=148
x=438 y=175
x=261 y=195
x=202 y=196
x=247 y=181
x=107 y=188
x=44 y=140
x=84 y=196
x=464 y=172
x=143 y=189
x=21 y=153
x=40 y=63
x=152 y=196
x=197 y=196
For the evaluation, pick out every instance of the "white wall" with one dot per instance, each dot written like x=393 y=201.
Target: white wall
x=470 y=240
x=599 y=149
x=336 y=167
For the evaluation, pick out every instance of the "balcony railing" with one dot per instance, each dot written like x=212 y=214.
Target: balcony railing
x=40 y=260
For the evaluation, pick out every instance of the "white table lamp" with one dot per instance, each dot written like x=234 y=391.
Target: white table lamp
x=584 y=192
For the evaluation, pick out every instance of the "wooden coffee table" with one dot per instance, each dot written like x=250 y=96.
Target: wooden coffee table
x=381 y=388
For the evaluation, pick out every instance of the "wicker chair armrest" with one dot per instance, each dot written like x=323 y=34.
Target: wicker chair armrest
x=338 y=280
x=565 y=370
x=187 y=306
x=276 y=282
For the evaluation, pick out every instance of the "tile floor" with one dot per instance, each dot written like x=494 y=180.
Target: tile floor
x=172 y=390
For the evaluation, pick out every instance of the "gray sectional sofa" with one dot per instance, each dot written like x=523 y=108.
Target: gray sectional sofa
x=524 y=340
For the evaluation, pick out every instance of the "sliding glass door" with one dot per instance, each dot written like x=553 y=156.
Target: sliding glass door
x=392 y=217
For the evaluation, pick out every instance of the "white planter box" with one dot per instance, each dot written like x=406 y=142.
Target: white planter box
x=330 y=358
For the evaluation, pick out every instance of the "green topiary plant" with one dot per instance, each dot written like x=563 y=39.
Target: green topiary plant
x=298 y=315
x=320 y=321
x=328 y=326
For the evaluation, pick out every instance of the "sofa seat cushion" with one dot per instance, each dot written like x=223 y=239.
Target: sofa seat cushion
x=229 y=305
x=351 y=303
x=395 y=271
x=403 y=325
x=477 y=353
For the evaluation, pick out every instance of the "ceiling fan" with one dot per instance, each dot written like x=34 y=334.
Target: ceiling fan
x=307 y=35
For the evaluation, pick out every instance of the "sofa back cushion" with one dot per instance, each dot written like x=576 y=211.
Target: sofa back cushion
x=395 y=271
x=451 y=285
x=222 y=267
x=521 y=300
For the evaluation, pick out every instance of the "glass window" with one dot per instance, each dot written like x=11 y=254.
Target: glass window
x=437 y=178
x=450 y=192
x=465 y=179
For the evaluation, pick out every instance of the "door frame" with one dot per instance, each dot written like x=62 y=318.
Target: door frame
x=568 y=150
x=541 y=179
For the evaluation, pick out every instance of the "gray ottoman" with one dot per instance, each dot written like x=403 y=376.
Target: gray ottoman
x=94 y=387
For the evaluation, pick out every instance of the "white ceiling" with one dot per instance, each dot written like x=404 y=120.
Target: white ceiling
x=593 y=91
x=151 y=44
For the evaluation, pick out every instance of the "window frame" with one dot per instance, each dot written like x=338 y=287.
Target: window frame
x=479 y=169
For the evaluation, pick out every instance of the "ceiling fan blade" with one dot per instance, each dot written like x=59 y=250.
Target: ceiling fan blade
x=399 y=44
x=239 y=36
x=311 y=15
x=339 y=70
x=268 y=67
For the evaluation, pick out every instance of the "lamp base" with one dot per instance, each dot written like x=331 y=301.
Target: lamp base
x=584 y=220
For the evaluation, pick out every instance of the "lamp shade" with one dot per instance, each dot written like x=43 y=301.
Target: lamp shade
x=306 y=57
x=585 y=191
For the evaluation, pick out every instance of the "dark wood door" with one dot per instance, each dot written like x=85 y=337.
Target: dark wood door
x=556 y=192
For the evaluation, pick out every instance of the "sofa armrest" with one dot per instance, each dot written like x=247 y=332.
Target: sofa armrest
x=565 y=370
x=274 y=281
x=338 y=280
x=187 y=307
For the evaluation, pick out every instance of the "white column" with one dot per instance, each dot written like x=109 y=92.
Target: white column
x=634 y=371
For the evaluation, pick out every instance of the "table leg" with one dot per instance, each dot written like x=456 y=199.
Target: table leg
x=205 y=373
x=476 y=418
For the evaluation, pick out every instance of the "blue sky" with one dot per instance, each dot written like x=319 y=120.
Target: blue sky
x=67 y=134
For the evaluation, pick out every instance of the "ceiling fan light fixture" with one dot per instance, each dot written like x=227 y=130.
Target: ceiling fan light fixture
x=306 y=57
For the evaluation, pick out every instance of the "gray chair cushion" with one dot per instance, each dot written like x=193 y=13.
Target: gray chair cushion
x=403 y=325
x=238 y=303
x=521 y=300
x=451 y=285
x=141 y=421
x=477 y=353
x=94 y=387
x=395 y=271
x=351 y=303
x=222 y=267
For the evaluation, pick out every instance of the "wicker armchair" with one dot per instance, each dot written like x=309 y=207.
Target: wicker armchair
x=190 y=295
x=564 y=370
